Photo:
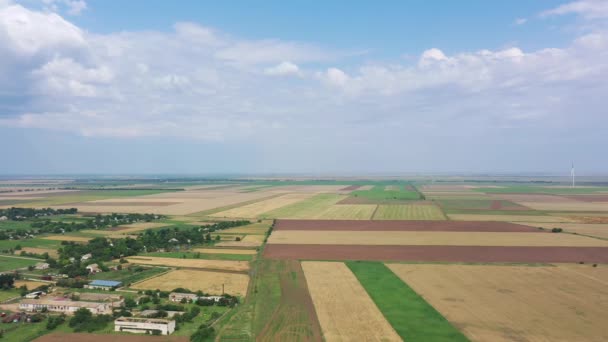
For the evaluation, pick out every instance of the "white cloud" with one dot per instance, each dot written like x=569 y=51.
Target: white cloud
x=283 y=69
x=589 y=9
x=520 y=21
x=73 y=7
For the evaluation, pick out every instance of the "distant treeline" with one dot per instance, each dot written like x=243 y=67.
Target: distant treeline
x=21 y=214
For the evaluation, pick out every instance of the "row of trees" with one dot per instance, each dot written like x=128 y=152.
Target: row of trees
x=21 y=214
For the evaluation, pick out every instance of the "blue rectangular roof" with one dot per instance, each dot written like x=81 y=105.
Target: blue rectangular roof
x=109 y=283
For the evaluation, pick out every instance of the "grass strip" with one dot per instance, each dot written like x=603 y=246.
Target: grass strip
x=409 y=314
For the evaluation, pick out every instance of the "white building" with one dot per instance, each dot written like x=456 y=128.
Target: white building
x=65 y=306
x=41 y=266
x=144 y=325
x=177 y=297
x=86 y=257
x=93 y=268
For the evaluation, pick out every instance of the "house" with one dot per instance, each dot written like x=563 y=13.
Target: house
x=213 y=298
x=86 y=257
x=174 y=240
x=35 y=294
x=103 y=284
x=177 y=297
x=41 y=266
x=64 y=306
x=144 y=325
x=93 y=268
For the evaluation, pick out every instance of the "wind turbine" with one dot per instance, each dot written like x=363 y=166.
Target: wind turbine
x=572 y=174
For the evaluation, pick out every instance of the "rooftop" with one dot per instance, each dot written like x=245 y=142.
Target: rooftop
x=108 y=283
x=61 y=303
x=143 y=320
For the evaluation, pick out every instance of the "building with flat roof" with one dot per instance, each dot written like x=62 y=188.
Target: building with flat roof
x=144 y=325
x=103 y=284
x=64 y=306
x=177 y=296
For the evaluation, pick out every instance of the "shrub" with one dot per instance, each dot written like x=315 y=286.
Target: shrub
x=556 y=230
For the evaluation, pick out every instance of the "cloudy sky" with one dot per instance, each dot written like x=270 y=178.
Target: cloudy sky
x=303 y=87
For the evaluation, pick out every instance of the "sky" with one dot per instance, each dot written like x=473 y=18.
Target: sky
x=320 y=87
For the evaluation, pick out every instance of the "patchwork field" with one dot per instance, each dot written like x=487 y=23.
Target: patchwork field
x=259 y=208
x=567 y=206
x=408 y=212
x=515 y=303
x=345 y=310
x=255 y=228
x=597 y=230
x=191 y=263
x=225 y=251
x=419 y=238
x=346 y=211
x=206 y=281
x=306 y=209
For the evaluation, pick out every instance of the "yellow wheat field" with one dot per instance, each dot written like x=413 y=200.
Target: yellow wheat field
x=68 y=238
x=515 y=303
x=345 y=310
x=508 y=218
x=139 y=226
x=206 y=281
x=224 y=251
x=301 y=237
x=258 y=208
x=228 y=265
x=52 y=252
x=30 y=284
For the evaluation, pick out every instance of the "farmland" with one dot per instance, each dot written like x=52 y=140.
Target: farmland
x=514 y=303
x=194 y=280
x=408 y=212
x=345 y=310
x=191 y=263
x=308 y=208
x=9 y=263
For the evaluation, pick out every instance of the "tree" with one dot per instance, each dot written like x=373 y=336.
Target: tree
x=130 y=303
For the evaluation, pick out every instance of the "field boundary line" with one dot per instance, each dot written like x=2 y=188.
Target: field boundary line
x=152 y=277
x=374 y=213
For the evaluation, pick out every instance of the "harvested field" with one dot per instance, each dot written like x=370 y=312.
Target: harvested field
x=438 y=226
x=259 y=208
x=208 y=282
x=345 y=310
x=439 y=253
x=30 y=284
x=508 y=218
x=591 y=219
x=345 y=211
x=567 y=206
x=136 y=227
x=87 y=337
x=224 y=251
x=308 y=208
x=597 y=230
x=409 y=212
x=514 y=303
x=105 y=203
x=67 y=238
x=589 y=198
x=531 y=198
x=478 y=205
x=294 y=319
x=397 y=238
x=226 y=265
x=254 y=238
x=243 y=244
x=52 y=252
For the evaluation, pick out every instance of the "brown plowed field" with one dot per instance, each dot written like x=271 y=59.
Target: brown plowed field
x=387 y=225
x=62 y=337
x=438 y=253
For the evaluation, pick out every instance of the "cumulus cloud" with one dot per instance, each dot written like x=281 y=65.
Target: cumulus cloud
x=196 y=82
x=72 y=7
x=283 y=69
x=589 y=9
x=520 y=21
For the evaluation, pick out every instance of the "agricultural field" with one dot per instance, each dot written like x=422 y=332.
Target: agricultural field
x=347 y=212
x=228 y=265
x=73 y=238
x=225 y=251
x=308 y=208
x=137 y=227
x=254 y=228
x=515 y=303
x=408 y=212
x=379 y=194
x=9 y=263
x=588 y=229
x=40 y=251
x=258 y=209
x=194 y=280
x=130 y=275
x=451 y=205
x=509 y=218
x=30 y=284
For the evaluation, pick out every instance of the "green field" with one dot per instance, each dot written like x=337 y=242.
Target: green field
x=193 y=255
x=128 y=276
x=8 y=294
x=15 y=225
x=409 y=314
x=23 y=331
x=347 y=212
x=40 y=243
x=307 y=208
x=409 y=212
x=11 y=263
x=379 y=194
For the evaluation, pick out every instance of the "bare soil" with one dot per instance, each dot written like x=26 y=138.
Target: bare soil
x=480 y=254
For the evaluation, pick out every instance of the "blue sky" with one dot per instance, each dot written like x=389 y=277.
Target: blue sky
x=304 y=86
